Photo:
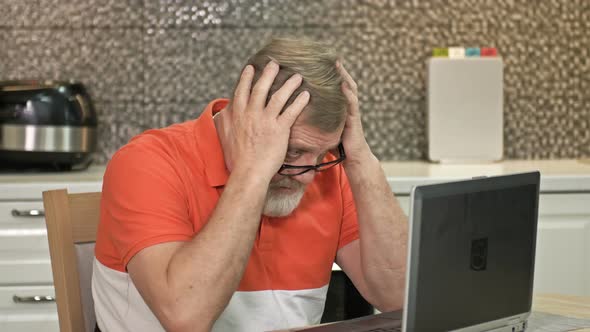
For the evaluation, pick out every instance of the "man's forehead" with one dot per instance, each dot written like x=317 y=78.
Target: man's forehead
x=305 y=119
x=306 y=135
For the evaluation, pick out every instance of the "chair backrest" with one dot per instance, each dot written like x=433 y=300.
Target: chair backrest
x=72 y=221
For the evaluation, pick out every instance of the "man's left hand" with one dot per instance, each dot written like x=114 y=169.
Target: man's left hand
x=353 y=138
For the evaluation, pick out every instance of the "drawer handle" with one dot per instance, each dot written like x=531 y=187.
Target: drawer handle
x=33 y=299
x=28 y=213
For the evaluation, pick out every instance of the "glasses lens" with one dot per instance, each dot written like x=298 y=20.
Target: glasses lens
x=290 y=170
x=324 y=167
x=293 y=171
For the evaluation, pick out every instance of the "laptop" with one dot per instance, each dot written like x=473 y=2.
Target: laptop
x=471 y=257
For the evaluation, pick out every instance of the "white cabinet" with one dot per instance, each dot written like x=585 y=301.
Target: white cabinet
x=562 y=262
x=563 y=244
x=26 y=283
x=26 y=280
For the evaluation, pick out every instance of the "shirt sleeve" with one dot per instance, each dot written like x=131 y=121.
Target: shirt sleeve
x=144 y=202
x=349 y=228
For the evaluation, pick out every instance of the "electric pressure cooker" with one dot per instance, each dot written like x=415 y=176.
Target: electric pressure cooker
x=46 y=125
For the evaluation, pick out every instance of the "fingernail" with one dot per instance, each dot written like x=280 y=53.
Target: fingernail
x=297 y=77
x=304 y=94
x=248 y=69
x=273 y=65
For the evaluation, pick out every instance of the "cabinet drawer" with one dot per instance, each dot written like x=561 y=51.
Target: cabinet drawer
x=22 y=226
x=23 y=235
x=564 y=204
x=38 y=320
x=27 y=297
x=26 y=314
x=16 y=211
x=24 y=267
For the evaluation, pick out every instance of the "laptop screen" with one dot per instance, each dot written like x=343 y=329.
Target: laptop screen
x=472 y=252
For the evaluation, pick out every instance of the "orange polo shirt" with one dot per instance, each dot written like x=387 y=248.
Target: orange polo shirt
x=164 y=184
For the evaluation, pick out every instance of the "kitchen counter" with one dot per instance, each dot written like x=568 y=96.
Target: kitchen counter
x=566 y=176
x=559 y=307
x=91 y=174
x=29 y=185
x=560 y=267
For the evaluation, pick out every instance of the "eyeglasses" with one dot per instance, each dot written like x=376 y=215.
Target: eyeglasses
x=291 y=170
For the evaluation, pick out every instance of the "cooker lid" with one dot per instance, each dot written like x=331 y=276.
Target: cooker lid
x=45 y=103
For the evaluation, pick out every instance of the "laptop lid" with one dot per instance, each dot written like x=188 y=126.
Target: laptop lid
x=471 y=253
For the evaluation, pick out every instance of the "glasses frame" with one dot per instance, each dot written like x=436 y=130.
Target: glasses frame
x=307 y=168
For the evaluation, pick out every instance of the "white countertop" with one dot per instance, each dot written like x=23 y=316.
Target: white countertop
x=29 y=186
x=92 y=174
x=556 y=176
x=565 y=175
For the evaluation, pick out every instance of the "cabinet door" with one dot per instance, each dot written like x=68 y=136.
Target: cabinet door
x=40 y=320
x=28 y=308
x=563 y=245
x=24 y=250
x=22 y=227
x=21 y=267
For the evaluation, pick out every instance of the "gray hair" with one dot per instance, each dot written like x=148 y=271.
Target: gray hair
x=316 y=63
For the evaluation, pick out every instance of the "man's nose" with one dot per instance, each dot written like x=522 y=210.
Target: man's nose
x=304 y=178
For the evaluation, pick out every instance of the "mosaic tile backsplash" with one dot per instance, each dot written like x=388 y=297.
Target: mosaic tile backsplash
x=152 y=63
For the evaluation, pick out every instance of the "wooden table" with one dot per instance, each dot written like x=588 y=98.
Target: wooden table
x=564 y=305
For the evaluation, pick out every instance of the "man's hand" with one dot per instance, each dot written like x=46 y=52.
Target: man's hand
x=173 y=278
x=259 y=133
x=353 y=137
x=375 y=262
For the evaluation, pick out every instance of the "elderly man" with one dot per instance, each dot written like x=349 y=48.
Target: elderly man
x=231 y=222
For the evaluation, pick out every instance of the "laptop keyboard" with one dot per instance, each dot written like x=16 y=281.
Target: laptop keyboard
x=386 y=329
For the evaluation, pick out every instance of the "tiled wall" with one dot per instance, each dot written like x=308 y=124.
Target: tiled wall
x=152 y=63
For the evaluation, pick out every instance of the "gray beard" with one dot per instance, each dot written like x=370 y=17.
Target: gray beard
x=279 y=204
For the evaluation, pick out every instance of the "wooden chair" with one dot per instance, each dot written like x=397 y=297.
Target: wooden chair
x=72 y=221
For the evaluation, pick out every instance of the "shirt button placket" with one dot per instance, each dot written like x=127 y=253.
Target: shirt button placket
x=265 y=236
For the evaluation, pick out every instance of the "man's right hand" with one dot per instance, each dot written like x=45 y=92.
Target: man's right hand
x=260 y=133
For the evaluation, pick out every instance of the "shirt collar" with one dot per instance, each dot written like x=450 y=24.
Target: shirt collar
x=209 y=145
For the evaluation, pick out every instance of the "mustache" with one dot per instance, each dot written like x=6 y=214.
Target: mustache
x=286 y=182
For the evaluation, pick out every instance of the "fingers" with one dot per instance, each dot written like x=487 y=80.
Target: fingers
x=292 y=112
x=351 y=97
x=242 y=92
x=261 y=88
x=349 y=89
x=280 y=97
x=346 y=77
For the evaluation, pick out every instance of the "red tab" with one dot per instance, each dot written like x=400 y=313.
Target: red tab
x=489 y=51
